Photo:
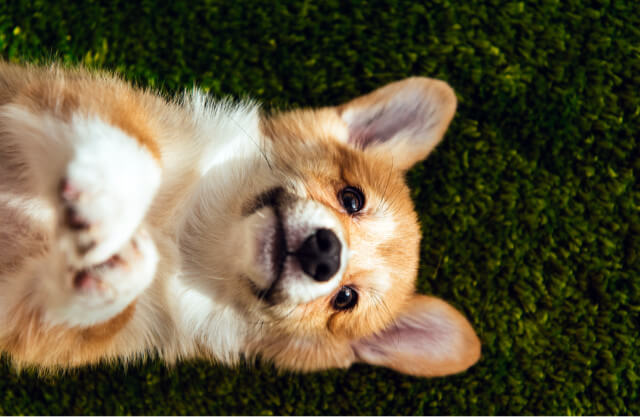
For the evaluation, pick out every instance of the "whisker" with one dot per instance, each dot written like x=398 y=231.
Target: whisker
x=383 y=198
x=255 y=142
x=380 y=302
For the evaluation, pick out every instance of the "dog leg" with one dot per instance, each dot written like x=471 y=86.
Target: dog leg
x=100 y=182
x=104 y=192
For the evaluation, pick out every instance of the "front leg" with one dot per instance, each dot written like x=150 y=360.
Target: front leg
x=101 y=181
x=104 y=191
x=100 y=177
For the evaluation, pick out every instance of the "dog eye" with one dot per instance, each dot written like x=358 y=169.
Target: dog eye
x=352 y=199
x=346 y=298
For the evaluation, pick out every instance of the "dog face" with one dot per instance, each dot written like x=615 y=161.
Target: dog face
x=327 y=240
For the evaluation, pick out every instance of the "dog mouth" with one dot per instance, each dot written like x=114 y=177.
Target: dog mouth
x=272 y=244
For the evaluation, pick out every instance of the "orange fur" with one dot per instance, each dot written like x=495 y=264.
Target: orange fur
x=65 y=92
x=29 y=340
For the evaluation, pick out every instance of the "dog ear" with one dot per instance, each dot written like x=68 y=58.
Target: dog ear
x=431 y=338
x=405 y=119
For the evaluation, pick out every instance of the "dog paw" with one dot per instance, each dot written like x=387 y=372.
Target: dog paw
x=103 y=197
x=98 y=293
x=94 y=221
x=119 y=276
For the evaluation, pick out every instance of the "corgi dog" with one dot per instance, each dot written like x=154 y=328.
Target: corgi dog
x=133 y=225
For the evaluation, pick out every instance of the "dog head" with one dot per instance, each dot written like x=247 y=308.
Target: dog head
x=326 y=244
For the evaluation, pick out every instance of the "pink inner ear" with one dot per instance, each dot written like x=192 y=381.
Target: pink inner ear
x=428 y=335
x=410 y=114
x=430 y=338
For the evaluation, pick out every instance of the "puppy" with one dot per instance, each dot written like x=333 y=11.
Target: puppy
x=132 y=225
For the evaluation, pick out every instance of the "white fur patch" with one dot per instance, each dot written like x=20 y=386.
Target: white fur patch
x=301 y=220
x=217 y=326
x=117 y=178
x=225 y=131
x=115 y=175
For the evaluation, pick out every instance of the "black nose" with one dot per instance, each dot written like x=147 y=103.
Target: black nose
x=319 y=255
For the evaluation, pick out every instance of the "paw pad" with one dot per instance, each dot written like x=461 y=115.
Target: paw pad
x=86 y=280
x=74 y=220
x=67 y=191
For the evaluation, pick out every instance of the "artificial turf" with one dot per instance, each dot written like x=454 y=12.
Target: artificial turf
x=530 y=208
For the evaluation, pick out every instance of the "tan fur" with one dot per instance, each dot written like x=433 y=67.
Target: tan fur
x=18 y=241
x=29 y=340
x=63 y=93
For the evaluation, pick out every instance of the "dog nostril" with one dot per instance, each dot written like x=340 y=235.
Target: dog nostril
x=324 y=240
x=319 y=255
x=322 y=272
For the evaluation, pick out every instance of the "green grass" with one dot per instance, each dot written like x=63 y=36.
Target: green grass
x=530 y=208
